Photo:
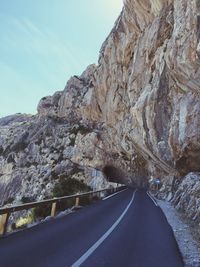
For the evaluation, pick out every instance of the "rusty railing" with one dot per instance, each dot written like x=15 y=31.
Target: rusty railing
x=5 y=212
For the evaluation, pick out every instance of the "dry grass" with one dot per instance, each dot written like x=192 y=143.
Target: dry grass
x=23 y=221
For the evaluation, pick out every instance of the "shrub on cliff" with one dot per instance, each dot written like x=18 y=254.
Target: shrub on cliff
x=70 y=186
x=65 y=187
x=26 y=199
x=42 y=211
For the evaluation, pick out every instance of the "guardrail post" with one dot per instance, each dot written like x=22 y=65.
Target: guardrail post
x=101 y=195
x=53 y=209
x=3 y=223
x=5 y=212
x=77 y=201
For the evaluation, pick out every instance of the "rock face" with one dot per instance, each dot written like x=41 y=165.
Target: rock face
x=187 y=197
x=138 y=109
x=36 y=152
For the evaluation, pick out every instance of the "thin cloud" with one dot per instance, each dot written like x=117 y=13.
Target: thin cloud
x=51 y=62
x=25 y=35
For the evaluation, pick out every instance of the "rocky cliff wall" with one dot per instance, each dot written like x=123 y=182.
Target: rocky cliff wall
x=138 y=109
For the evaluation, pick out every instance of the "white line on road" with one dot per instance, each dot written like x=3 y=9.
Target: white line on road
x=100 y=241
x=151 y=197
x=114 y=194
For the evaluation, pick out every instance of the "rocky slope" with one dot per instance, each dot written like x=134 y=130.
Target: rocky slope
x=138 y=110
x=38 y=152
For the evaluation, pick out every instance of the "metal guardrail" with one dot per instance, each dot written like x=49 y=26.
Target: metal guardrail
x=5 y=212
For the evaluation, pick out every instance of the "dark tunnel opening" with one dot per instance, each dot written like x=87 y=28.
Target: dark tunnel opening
x=114 y=174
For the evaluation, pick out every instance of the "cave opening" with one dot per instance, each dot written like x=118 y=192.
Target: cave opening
x=116 y=175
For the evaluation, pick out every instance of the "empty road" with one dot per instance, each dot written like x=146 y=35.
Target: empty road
x=128 y=229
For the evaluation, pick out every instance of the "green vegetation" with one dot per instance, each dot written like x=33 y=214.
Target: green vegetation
x=8 y=201
x=69 y=186
x=23 y=221
x=82 y=129
x=25 y=199
x=64 y=187
x=72 y=141
x=42 y=211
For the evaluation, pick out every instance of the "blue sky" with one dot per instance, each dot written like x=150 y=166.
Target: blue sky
x=44 y=42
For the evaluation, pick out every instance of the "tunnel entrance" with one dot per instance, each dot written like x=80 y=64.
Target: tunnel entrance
x=142 y=182
x=114 y=174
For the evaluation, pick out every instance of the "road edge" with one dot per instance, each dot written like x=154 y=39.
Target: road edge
x=187 y=245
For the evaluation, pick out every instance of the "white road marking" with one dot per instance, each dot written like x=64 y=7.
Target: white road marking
x=84 y=257
x=113 y=194
x=151 y=197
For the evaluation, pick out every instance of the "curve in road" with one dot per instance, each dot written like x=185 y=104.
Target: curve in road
x=125 y=230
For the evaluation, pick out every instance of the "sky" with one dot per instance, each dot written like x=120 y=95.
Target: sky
x=45 y=42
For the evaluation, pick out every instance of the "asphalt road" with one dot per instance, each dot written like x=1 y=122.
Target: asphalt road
x=125 y=230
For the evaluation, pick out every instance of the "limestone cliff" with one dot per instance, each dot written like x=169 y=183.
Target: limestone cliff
x=137 y=110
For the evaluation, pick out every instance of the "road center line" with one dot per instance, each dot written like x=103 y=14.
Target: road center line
x=101 y=239
x=114 y=194
x=152 y=199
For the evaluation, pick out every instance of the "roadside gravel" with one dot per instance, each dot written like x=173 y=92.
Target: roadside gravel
x=189 y=248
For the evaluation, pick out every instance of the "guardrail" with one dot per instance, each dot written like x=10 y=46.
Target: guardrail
x=5 y=212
